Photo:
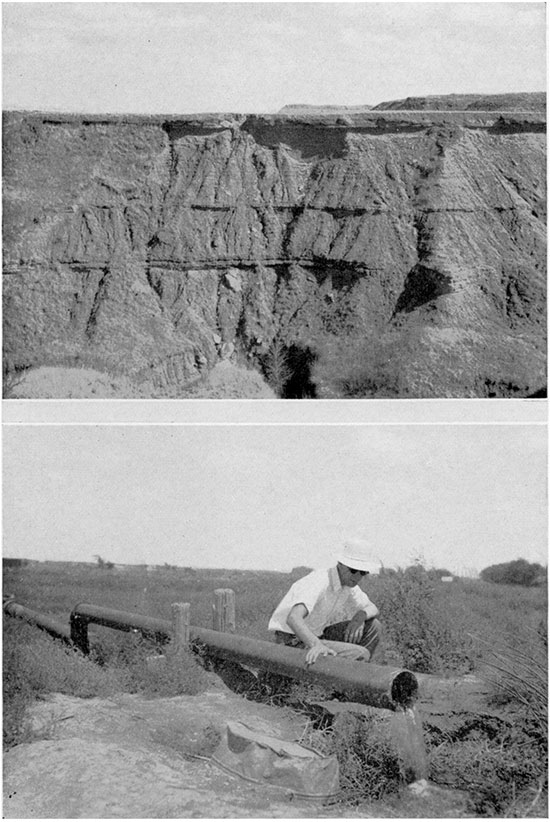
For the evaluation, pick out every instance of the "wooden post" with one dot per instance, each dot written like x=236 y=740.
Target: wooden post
x=224 y=610
x=180 y=626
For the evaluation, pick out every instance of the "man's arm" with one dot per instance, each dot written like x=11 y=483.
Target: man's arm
x=354 y=629
x=371 y=611
x=316 y=648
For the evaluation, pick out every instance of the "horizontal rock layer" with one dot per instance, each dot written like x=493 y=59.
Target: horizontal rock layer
x=402 y=251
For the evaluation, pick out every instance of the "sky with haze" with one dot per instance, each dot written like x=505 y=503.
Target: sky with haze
x=275 y=496
x=256 y=57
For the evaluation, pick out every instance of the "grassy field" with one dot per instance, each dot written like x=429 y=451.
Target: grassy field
x=430 y=626
x=445 y=628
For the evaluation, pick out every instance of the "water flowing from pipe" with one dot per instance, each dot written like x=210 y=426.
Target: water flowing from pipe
x=407 y=734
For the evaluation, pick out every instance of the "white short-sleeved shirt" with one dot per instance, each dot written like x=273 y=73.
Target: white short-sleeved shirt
x=326 y=599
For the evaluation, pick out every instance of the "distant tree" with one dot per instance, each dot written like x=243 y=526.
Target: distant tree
x=517 y=572
x=416 y=571
x=14 y=563
x=102 y=563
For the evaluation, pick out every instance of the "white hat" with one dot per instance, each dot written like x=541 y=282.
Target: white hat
x=356 y=554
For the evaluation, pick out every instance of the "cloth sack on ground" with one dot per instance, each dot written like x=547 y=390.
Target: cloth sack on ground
x=258 y=757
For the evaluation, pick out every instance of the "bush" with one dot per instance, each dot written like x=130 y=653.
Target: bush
x=428 y=637
x=368 y=365
x=517 y=572
x=359 y=367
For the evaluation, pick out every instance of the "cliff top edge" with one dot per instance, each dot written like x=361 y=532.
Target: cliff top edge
x=369 y=119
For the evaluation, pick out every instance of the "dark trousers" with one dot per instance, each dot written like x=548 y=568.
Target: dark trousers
x=335 y=633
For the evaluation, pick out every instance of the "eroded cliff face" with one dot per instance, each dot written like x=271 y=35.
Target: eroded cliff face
x=386 y=254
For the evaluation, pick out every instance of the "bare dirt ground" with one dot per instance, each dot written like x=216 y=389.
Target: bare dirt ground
x=135 y=757
x=131 y=757
x=225 y=380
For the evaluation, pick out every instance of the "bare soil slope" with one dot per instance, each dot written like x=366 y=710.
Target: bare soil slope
x=152 y=247
x=133 y=757
x=130 y=757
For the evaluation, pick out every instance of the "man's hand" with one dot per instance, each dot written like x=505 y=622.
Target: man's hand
x=317 y=650
x=354 y=631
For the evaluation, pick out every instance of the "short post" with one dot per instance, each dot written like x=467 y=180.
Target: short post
x=224 y=610
x=180 y=626
x=79 y=633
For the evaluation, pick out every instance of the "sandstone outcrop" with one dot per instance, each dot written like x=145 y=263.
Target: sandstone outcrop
x=374 y=253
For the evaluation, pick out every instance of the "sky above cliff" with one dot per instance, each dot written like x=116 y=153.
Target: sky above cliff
x=275 y=496
x=254 y=57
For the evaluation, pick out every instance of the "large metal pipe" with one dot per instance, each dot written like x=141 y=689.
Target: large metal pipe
x=83 y=615
x=375 y=685
x=49 y=624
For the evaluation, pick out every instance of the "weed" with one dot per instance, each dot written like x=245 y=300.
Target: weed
x=501 y=775
x=520 y=674
x=428 y=637
x=169 y=675
x=368 y=759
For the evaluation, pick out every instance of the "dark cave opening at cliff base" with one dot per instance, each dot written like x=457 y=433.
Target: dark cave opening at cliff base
x=300 y=361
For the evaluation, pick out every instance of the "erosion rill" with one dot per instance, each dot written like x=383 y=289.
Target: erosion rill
x=386 y=253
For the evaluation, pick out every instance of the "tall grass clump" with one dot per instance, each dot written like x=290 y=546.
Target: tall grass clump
x=427 y=635
x=368 y=759
x=519 y=673
x=147 y=670
x=505 y=773
x=35 y=665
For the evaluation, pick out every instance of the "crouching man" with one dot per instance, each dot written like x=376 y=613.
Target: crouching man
x=327 y=613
